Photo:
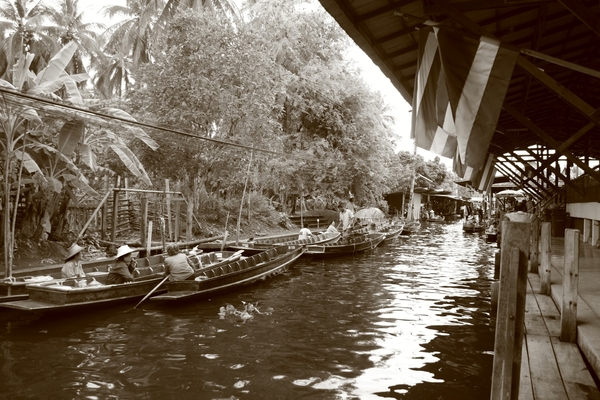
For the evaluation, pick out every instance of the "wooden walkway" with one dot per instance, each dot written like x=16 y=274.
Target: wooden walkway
x=550 y=369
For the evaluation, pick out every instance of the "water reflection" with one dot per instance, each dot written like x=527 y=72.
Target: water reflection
x=409 y=320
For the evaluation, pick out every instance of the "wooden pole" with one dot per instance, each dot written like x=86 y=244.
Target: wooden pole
x=511 y=310
x=87 y=224
x=189 y=215
x=149 y=240
x=104 y=211
x=568 y=314
x=225 y=234
x=144 y=222
x=545 y=257
x=535 y=242
x=176 y=227
x=239 y=221
x=115 y=216
x=168 y=201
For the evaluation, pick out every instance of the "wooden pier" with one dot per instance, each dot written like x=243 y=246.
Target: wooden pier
x=547 y=340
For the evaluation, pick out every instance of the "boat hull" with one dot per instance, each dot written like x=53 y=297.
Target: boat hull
x=233 y=275
x=340 y=249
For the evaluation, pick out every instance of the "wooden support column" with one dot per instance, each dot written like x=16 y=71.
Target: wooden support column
x=168 y=198
x=511 y=309
x=115 y=215
x=189 y=215
x=104 y=212
x=535 y=243
x=568 y=314
x=545 y=257
x=177 y=212
x=595 y=232
x=587 y=229
x=144 y=222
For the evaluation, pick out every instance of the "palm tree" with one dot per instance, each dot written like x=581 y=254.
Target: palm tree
x=69 y=27
x=22 y=30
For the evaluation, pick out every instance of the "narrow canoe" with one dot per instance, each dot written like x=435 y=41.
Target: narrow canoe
x=63 y=294
x=354 y=245
x=15 y=287
x=233 y=275
x=262 y=243
x=391 y=232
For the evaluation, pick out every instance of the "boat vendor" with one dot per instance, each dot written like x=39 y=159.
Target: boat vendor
x=346 y=218
x=350 y=204
x=305 y=233
x=72 y=267
x=124 y=268
x=176 y=264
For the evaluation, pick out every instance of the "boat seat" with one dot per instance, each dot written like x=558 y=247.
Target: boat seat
x=272 y=253
x=157 y=259
x=250 y=262
x=142 y=262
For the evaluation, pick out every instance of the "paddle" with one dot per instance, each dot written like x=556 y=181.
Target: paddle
x=152 y=291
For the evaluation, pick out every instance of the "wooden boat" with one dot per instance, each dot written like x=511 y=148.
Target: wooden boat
x=472 y=227
x=391 y=232
x=14 y=287
x=63 y=294
x=352 y=245
x=410 y=228
x=58 y=294
x=491 y=234
x=267 y=243
x=232 y=275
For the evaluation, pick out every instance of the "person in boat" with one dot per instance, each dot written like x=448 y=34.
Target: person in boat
x=346 y=218
x=177 y=266
x=305 y=233
x=332 y=228
x=124 y=267
x=373 y=228
x=72 y=267
x=350 y=204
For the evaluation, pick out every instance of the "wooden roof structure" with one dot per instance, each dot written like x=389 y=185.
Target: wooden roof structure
x=552 y=107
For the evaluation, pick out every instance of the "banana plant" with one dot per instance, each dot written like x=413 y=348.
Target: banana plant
x=49 y=157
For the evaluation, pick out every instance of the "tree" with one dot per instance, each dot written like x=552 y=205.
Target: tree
x=22 y=31
x=214 y=82
x=69 y=27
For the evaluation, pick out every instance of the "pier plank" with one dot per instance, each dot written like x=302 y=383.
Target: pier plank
x=545 y=375
x=550 y=313
x=525 y=387
x=534 y=322
x=576 y=377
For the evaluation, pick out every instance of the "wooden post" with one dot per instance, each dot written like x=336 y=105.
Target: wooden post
x=149 y=240
x=115 y=215
x=168 y=198
x=177 y=212
x=104 y=211
x=535 y=242
x=511 y=310
x=545 y=265
x=568 y=314
x=144 y=222
x=189 y=216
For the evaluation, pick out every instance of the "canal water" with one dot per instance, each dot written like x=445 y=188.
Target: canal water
x=409 y=320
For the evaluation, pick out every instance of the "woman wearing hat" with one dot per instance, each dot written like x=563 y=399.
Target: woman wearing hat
x=122 y=271
x=72 y=267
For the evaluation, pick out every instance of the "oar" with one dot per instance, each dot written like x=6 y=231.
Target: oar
x=152 y=291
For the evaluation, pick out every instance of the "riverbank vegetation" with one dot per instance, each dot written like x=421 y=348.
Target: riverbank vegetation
x=259 y=107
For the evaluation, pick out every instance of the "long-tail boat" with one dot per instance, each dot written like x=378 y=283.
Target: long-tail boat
x=346 y=246
x=214 y=279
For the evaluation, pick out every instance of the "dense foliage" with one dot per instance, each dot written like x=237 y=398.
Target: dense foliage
x=259 y=104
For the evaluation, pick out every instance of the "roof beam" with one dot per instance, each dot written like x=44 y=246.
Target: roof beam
x=566 y=144
x=565 y=94
x=514 y=177
x=478 y=5
x=383 y=10
x=584 y=14
x=559 y=174
x=548 y=139
x=526 y=177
